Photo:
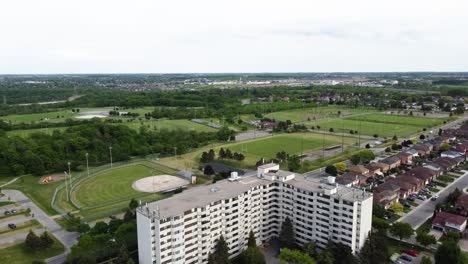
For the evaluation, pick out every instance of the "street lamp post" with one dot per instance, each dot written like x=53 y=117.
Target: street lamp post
x=175 y=152
x=110 y=152
x=69 y=180
x=87 y=164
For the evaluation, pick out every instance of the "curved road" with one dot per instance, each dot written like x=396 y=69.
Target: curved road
x=67 y=238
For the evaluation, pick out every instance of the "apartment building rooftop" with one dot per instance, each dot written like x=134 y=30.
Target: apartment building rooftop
x=201 y=196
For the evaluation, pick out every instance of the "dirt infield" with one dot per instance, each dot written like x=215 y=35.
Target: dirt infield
x=159 y=183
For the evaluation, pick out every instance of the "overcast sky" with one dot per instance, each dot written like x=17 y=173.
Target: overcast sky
x=139 y=36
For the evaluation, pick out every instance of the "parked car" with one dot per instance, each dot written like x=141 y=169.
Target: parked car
x=434 y=198
x=410 y=199
x=13 y=211
x=411 y=252
x=398 y=262
x=12 y=226
x=406 y=204
x=7 y=212
x=422 y=197
x=406 y=258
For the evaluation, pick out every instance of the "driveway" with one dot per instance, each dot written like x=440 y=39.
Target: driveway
x=67 y=238
x=425 y=210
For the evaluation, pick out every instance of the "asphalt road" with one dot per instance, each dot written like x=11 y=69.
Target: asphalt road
x=424 y=211
x=67 y=238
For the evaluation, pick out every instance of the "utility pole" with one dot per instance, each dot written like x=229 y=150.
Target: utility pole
x=110 y=152
x=87 y=164
x=175 y=152
x=342 y=135
x=67 y=175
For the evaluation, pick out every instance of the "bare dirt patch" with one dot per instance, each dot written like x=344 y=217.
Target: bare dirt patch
x=159 y=183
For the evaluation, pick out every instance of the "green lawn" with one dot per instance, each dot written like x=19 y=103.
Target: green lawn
x=422 y=122
x=55 y=116
x=303 y=115
x=291 y=143
x=20 y=254
x=115 y=185
x=27 y=132
x=182 y=124
x=366 y=127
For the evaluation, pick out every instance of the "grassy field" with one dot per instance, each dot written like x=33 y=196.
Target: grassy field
x=422 y=122
x=55 y=116
x=263 y=147
x=115 y=184
x=303 y=115
x=20 y=254
x=182 y=124
x=41 y=194
x=366 y=127
x=291 y=143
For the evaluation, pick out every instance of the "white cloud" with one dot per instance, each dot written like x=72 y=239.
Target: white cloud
x=52 y=36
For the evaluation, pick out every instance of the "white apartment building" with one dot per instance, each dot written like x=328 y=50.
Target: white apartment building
x=185 y=227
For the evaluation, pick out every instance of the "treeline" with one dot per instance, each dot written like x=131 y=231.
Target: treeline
x=40 y=153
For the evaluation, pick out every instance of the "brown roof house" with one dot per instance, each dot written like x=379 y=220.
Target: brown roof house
x=405 y=158
x=374 y=170
x=392 y=161
x=359 y=170
x=425 y=174
x=384 y=168
x=444 y=221
x=385 y=198
x=348 y=179
x=423 y=149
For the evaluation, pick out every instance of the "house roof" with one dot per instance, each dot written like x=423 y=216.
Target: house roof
x=404 y=154
x=421 y=173
x=358 y=168
x=373 y=167
x=391 y=160
x=443 y=218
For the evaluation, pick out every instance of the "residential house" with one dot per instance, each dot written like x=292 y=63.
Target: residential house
x=446 y=164
x=413 y=152
x=374 y=170
x=392 y=161
x=451 y=154
x=425 y=174
x=445 y=222
x=359 y=170
x=384 y=168
x=348 y=179
x=405 y=158
x=423 y=149
x=385 y=198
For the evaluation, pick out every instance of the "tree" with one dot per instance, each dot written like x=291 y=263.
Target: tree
x=380 y=223
x=425 y=239
x=46 y=240
x=99 y=228
x=401 y=230
x=378 y=210
x=83 y=228
x=222 y=153
x=33 y=241
x=388 y=150
x=286 y=236
x=310 y=249
x=375 y=249
x=252 y=255
x=332 y=170
x=123 y=256
x=342 y=254
x=133 y=204
x=448 y=253
x=128 y=216
x=325 y=257
x=294 y=163
x=288 y=256
x=221 y=253
x=331 y=130
x=395 y=146
x=395 y=137
x=208 y=170
x=453 y=196
x=426 y=260
x=376 y=135
x=422 y=137
x=341 y=166
x=397 y=207
x=252 y=241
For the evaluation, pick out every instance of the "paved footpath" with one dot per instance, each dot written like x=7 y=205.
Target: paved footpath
x=67 y=238
x=425 y=210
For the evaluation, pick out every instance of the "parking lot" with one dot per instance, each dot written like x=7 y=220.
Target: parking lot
x=15 y=223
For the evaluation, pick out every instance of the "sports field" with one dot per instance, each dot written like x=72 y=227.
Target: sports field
x=303 y=115
x=381 y=124
x=423 y=122
x=181 y=124
x=115 y=184
x=291 y=143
